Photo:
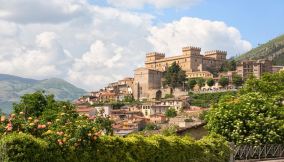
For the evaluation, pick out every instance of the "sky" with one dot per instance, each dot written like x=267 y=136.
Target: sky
x=91 y=43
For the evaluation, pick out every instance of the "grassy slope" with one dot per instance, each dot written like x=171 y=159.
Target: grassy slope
x=272 y=49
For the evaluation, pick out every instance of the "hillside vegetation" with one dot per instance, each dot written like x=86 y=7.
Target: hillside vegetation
x=273 y=49
x=12 y=87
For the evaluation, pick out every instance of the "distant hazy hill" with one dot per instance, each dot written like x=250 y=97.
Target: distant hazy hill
x=12 y=87
x=273 y=49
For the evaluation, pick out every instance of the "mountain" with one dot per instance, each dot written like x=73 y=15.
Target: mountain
x=273 y=50
x=12 y=87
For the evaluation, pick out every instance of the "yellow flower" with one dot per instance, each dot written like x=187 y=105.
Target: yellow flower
x=49 y=132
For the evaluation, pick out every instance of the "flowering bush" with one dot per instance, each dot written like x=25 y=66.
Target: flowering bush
x=67 y=129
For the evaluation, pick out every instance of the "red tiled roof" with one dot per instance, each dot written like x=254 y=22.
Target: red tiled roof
x=84 y=109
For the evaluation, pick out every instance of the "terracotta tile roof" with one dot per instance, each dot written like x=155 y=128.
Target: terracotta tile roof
x=85 y=109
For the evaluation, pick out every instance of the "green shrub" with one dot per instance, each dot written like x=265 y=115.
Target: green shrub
x=23 y=147
x=135 y=148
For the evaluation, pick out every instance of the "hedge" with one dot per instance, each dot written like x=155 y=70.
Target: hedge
x=206 y=99
x=136 y=148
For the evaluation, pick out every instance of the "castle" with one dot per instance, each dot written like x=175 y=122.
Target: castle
x=191 y=60
x=148 y=79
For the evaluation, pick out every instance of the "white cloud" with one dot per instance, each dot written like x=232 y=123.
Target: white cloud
x=139 y=4
x=41 y=11
x=90 y=45
x=209 y=35
x=43 y=59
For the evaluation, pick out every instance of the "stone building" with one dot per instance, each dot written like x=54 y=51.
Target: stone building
x=146 y=80
x=190 y=60
x=276 y=69
x=253 y=67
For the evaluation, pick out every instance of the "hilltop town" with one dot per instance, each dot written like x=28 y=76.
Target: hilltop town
x=146 y=101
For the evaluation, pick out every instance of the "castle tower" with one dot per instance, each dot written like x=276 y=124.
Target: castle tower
x=191 y=50
x=216 y=54
x=151 y=59
x=153 y=56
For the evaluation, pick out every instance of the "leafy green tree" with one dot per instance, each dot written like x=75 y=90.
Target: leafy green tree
x=223 y=81
x=174 y=76
x=255 y=115
x=200 y=82
x=129 y=98
x=232 y=65
x=252 y=118
x=151 y=126
x=171 y=112
x=237 y=80
x=169 y=131
x=191 y=83
x=228 y=66
x=210 y=82
x=269 y=84
x=39 y=104
x=33 y=104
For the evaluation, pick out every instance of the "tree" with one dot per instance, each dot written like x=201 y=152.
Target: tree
x=228 y=66
x=39 y=104
x=174 y=76
x=151 y=126
x=252 y=118
x=33 y=104
x=223 y=81
x=269 y=84
x=128 y=98
x=200 y=82
x=237 y=80
x=232 y=65
x=210 y=82
x=171 y=112
x=191 y=83
x=255 y=115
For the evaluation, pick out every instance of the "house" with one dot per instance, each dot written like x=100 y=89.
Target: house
x=126 y=127
x=86 y=110
x=104 y=110
x=254 y=67
x=123 y=114
x=107 y=96
x=158 y=118
x=160 y=107
x=176 y=103
x=153 y=108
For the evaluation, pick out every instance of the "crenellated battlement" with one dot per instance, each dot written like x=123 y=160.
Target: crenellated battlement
x=215 y=52
x=155 y=54
x=190 y=48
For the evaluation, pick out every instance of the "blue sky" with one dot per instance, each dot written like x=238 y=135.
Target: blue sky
x=91 y=43
x=257 y=20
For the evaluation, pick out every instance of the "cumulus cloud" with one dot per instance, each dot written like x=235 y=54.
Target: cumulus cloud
x=91 y=45
x=41 y=60
x=209 y=35
x=138 y=4
x=40 y=11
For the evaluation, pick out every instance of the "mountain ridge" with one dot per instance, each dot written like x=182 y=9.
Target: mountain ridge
x=12 y=87
x=272 y=50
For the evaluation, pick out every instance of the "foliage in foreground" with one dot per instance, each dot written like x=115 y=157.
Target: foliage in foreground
x=255 y=116
x=23 y=147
